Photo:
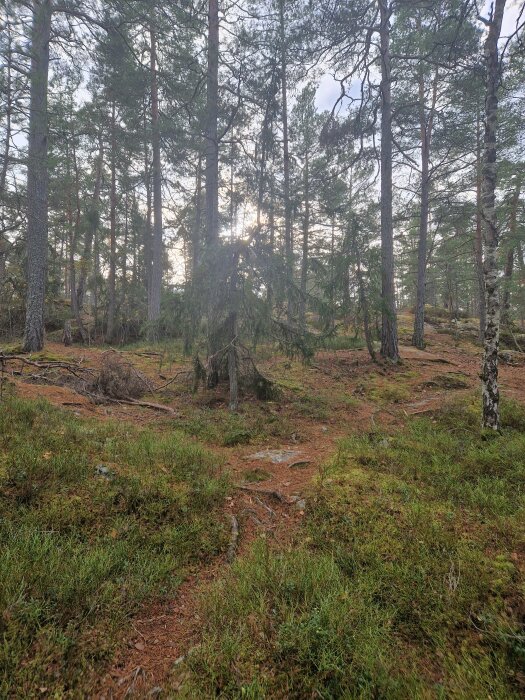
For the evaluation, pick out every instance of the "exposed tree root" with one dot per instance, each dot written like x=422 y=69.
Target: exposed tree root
x=277 y=495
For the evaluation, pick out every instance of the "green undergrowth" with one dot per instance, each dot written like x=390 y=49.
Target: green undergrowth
x=406 y=579
x=342 y=342
x=254 y=423
x=94 y=518
x=387 y=391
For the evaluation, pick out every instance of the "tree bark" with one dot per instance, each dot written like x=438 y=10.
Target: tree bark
x=389 y=342
x=212 y=189
x=271 y=225
x=71 y=243
x=478 y=237
x=192 y=283
x=425 y=127
x=91 y=229
x=521 y=266
x=8 y=106
x=288 y=234
x=37 y=178
x=489 y=370
x=156 y=268
x=363 y=302
x=513 y=242
x=306 y=232
x=212 y=137
x=148 y=235
x=112 y=294
x=233 y=360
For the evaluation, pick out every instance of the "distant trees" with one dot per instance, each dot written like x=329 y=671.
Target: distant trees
x=182 y=173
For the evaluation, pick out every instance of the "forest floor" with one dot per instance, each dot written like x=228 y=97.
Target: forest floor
x=342 y=395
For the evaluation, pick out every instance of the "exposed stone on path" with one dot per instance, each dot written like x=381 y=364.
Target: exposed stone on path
x=275 y=456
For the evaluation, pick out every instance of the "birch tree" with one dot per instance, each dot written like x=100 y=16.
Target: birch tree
x=489 y=369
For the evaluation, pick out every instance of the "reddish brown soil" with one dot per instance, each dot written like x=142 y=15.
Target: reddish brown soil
x=165 y=631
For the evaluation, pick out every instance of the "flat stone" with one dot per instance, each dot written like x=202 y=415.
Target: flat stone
x=275 y=456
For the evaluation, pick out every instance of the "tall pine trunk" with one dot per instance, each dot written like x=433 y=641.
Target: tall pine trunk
x=148 y=230
x=112 y=292
x=192 y=284
x=306 y=233
x=37 y=177
x=156 y=268
x=288 y=235
x=271 y=226
x=8 y=109
x=389 y=343
x=509 y=264
x=478 y=238
x=91 y=229
x=71 y=239
x=363 y=301
x=489 y=370
x=425 y=127
x=212 y=191
x=212 y=116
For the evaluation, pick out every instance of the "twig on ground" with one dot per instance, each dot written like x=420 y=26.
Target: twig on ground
x=145 y=404
x=188 y=373
x=234 y=538
x=267 y=507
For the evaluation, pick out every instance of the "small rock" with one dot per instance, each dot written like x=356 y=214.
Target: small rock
x=300 y=504
x=324 y=429
x=105 y=472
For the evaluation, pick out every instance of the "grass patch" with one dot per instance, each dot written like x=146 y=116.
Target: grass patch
x=306 y=402
x=256 y=475
x=254 y=423
x=405 y=581
x=386 y=391
x=93 y=519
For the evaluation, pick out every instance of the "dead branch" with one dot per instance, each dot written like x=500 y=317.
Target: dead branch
x=234 y=538
x=101 y=399
x=53 y=364
x=149 y=404
x=186 y=372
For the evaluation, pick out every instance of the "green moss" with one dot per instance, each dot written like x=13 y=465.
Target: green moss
x=82 y=548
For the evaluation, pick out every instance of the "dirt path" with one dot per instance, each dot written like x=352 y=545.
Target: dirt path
x=273 y=494
x=165 y=632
